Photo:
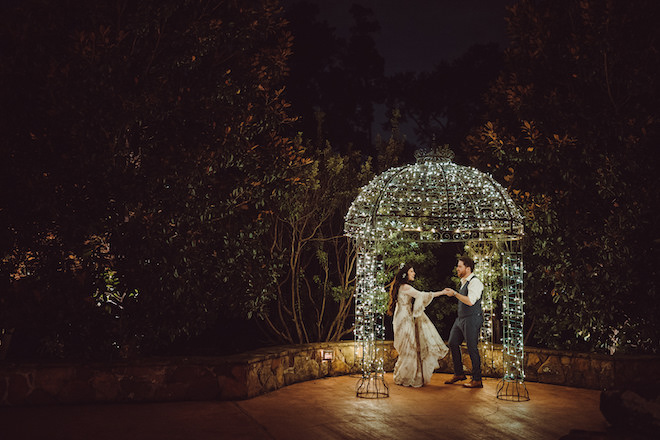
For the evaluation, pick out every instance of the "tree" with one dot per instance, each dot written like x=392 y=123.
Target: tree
x=142 y=154
x=445 y=103
x=314 y=296
x=573 y=129
x=341 y=78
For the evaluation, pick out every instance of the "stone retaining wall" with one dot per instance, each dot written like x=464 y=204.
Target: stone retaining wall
x=257 y=372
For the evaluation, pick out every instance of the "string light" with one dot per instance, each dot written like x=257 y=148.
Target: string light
x=512 y=386
x=433 y=200
x=485 y=256
x=370 y=301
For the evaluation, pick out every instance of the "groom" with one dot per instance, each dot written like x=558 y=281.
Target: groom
x=467 y=324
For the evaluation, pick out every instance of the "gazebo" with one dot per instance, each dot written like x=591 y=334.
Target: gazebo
x=437 y=201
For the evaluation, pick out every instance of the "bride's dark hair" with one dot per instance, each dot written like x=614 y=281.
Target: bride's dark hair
x=400 y=278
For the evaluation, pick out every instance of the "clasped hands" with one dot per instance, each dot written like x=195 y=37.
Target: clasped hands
x=446 y=291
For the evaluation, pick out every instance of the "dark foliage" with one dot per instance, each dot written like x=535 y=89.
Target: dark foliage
x=141 y=156
x=340 y=79
x=574 y=130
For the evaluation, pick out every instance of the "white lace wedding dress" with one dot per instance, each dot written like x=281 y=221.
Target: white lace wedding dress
x=415 y=339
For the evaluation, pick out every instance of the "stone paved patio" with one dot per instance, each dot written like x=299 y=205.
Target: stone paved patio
x=324 y=409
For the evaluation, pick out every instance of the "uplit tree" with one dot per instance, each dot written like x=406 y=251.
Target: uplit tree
x=573 y=130
x=314 y=296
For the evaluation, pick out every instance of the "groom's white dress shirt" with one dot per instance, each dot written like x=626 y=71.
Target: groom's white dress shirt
x=474 y=288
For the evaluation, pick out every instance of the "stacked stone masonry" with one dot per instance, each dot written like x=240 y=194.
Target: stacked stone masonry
x=257 y=372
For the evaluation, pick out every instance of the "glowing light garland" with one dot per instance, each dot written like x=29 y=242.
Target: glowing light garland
x=484 y=255
x=434 y=200
x=369 y=327
x=512 y=386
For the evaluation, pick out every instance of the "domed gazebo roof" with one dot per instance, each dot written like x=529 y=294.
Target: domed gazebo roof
x=434 y=200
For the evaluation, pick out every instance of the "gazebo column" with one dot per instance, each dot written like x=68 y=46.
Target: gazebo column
x=482 y=252
x=512 y=385
x=369 y=326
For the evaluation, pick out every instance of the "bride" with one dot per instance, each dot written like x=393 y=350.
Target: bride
x=415 y=338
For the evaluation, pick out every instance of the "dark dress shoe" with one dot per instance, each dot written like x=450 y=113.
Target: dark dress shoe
x=473 y=384
x=455 y=379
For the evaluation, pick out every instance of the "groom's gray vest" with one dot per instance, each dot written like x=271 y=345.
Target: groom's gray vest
x=465 y=310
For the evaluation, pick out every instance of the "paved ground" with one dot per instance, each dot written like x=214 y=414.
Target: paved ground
x=324 y=409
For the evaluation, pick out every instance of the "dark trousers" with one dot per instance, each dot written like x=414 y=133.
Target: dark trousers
x=466 y=328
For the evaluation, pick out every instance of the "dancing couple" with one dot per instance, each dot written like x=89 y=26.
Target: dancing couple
x=415 y=337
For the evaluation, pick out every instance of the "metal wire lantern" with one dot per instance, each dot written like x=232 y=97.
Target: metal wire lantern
x=433 y=200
